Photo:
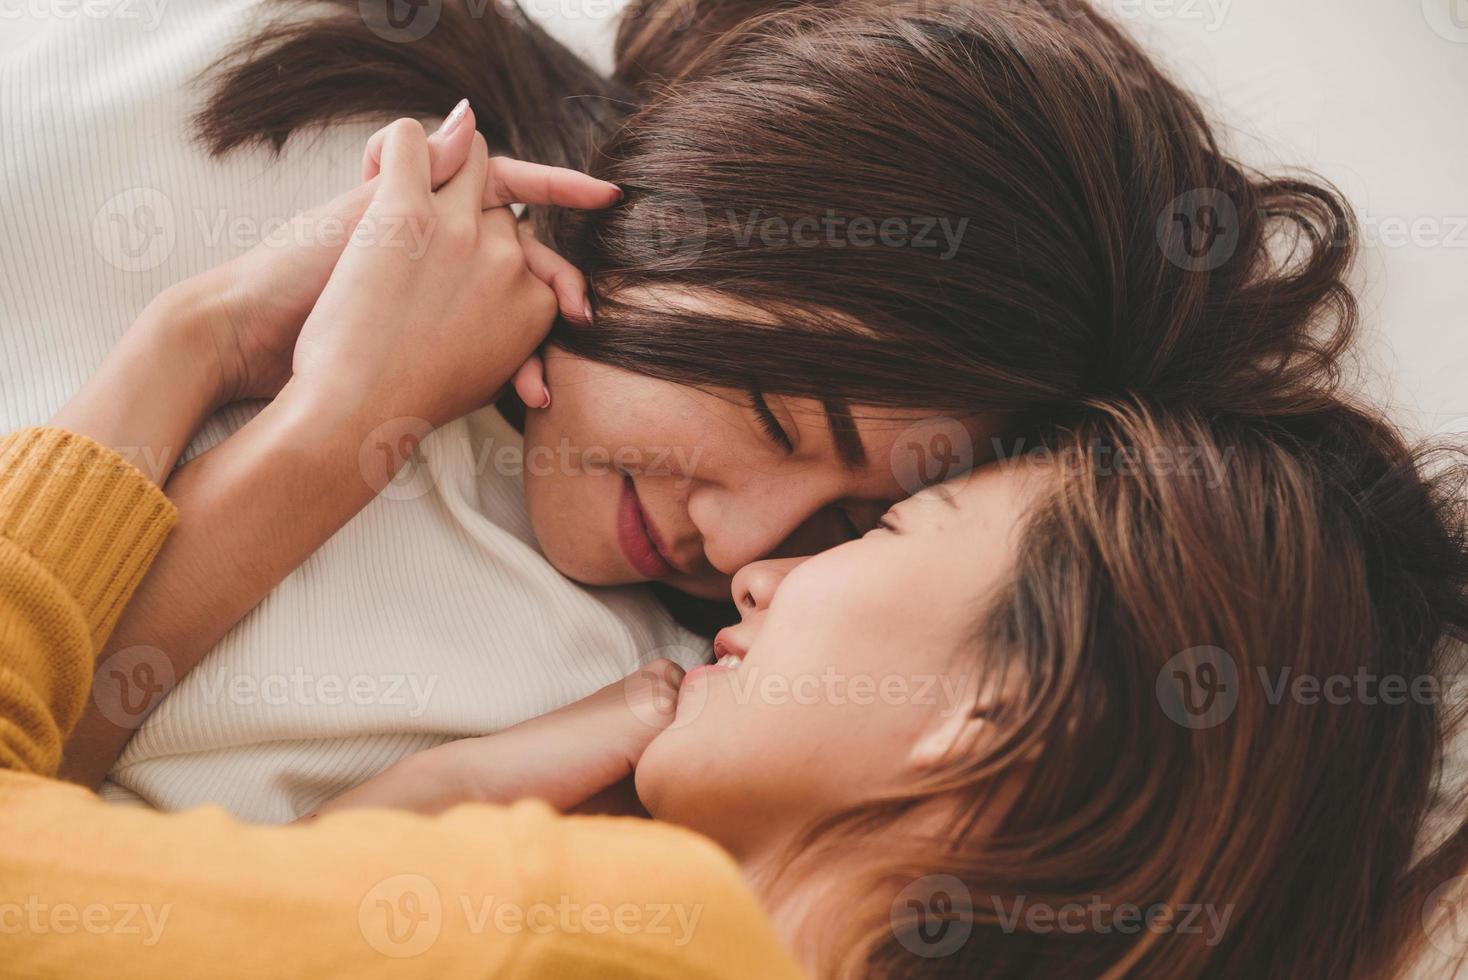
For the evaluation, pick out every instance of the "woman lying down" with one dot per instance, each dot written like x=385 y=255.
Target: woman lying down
x=1037 y=689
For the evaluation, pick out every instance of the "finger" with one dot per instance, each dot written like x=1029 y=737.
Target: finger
x=462 y=193
x=448 y=147
x=518 y=182
x=563 y=277
x=405 y=169
x=529 y=383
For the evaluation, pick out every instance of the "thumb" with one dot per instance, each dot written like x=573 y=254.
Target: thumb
x=529 y=383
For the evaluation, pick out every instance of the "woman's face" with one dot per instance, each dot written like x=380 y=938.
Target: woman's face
x=633 y=479
x=859 y=668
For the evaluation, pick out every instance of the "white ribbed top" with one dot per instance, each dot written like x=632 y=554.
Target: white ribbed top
x=431 y=615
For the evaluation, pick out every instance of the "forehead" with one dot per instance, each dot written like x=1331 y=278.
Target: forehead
x=995 y=495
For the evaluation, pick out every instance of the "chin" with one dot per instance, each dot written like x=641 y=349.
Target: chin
x=651 y=780
x=569 y=560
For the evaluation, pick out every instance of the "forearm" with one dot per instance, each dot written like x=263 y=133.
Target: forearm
x=156 y=387
x=251 y=511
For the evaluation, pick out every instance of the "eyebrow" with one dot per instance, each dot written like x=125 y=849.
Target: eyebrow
x=849 y=450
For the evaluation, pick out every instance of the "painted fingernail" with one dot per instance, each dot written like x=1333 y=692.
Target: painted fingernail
x=452 y=120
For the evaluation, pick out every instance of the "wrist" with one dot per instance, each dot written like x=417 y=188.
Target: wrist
x=180 y=330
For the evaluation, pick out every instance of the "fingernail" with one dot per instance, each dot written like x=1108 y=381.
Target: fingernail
x=452 y=120
x=586 y=308
x=621 y=194
x=544 y=397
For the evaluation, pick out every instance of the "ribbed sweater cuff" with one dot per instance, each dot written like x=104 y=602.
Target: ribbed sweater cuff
x=90 y=518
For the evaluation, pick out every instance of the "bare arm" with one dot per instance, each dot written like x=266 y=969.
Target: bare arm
x=241 y=530
x=395 y=335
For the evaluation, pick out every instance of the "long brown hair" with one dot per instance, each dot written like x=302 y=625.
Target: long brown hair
x=1079 y=174
x=1238 y=641
x=1116 y=269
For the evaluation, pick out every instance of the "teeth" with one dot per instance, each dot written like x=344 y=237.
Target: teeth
x=729 y=660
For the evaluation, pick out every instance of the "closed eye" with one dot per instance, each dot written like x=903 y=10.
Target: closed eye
x=769 y=423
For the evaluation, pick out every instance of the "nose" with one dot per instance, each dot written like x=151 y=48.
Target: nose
x=755 y=584
x=743 y=523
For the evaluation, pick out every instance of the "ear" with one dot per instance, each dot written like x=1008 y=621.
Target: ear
x=964 y=720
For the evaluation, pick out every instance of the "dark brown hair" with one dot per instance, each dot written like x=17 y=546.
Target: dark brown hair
x=1117 y=270
x=1179 y=574
x=1080 y=173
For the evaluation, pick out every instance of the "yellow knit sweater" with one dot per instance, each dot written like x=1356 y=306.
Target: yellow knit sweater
x=88 y=890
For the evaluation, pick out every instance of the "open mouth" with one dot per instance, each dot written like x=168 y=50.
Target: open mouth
x=635 y=537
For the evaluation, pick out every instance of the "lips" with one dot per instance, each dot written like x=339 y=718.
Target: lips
x=635 y=537
x=724 y=666
x=725 y=645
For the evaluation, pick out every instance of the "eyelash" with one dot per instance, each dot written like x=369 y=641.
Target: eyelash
x=772 y=428
x=768 y=422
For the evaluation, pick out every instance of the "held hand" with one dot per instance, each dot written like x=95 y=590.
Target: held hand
x=255 y=304
x=437 y=301
x=565 y=758
x=259 y=300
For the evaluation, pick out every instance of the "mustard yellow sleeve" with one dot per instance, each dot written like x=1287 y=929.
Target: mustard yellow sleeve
x=78 y=529
x=88 y=889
